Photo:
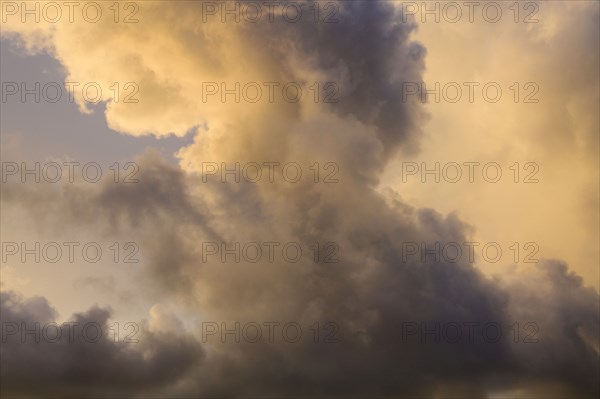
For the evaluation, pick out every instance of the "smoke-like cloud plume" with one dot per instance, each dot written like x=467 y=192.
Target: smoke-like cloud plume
x=381 y=304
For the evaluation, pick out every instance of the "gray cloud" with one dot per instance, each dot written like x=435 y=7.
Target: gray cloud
x=370 y=294
x=73 y=364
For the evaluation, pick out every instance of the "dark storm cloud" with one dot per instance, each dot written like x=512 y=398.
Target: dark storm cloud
x=369 y=54
x=71 y=362
x=567 y=314
x=371 y=295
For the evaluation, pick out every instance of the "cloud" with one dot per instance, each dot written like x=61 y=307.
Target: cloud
x=558 y=133
x=77 y=360
x=371 y=294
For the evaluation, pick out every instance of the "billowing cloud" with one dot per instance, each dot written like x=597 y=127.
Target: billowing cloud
x=41 y=355
x=373 y=295
x=380 y=302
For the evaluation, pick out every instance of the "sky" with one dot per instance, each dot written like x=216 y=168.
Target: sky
x=300 y=199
